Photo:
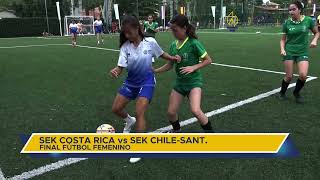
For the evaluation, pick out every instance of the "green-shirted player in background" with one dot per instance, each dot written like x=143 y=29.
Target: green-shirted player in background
x=189 y=78
x=294 y=46
x=150 y=27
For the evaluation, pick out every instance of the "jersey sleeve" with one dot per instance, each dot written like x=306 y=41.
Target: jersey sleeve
x=312 y=24
x=123 y=57
x=199 y=49
x=157 y=51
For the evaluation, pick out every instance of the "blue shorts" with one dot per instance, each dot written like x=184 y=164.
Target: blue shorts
x=74 y=31
x=98 y=29
x=134 y=92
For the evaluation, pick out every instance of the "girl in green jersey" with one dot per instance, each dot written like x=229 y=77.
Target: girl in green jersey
x=189 y=79
x=294 y=47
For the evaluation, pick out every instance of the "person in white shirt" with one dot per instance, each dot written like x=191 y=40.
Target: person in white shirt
x=98 y=30
x=73 y=29
x=136 y=52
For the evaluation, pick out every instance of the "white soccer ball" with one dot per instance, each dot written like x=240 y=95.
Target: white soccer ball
x=105 y=128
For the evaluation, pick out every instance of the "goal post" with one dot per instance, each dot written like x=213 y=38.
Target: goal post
x=87 y=24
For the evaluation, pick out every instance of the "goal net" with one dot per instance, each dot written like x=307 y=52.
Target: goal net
x=86 y=27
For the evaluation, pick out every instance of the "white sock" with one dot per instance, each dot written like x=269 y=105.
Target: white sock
x=128 y=118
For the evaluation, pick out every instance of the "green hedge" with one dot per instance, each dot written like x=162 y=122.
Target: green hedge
x=21 y=27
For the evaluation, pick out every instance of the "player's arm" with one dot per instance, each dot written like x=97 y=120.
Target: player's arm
x=206 y=60
x=283 y=44
x=175 y=58
x=116 y=72
x=168 y=66
x=314 y=41
x=122 y=63
x=158 y=52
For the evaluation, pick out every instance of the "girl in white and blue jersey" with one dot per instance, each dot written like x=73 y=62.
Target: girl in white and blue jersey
x=73 y=29
x=98 y=29
x=136 y=53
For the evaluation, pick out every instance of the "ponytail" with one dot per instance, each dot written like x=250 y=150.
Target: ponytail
x=191 y=31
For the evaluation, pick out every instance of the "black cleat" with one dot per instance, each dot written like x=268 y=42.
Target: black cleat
x=298 y=97
x=282 y=96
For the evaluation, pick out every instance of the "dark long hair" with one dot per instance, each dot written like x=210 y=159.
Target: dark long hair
x=182 y=21
x=299 y=4
x=133 y=22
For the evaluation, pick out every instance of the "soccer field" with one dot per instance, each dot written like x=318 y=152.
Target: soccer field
x=49 y=86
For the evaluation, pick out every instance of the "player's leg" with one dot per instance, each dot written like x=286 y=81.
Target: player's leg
x=75 y=39
x=195 y=107
x=119 y=104
x=118 y=108
x=143 y=101
x=141 y=107
x=303 y=67
x=288 y=67
x=98 y=38
x=144 y=98
x=72 y=39
x=101 y=37
x=175 y=100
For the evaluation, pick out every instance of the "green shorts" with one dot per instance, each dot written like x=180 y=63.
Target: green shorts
x=295 y=58
x=184 y=90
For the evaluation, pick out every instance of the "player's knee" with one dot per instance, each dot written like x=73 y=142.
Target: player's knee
x=288 y=78
x=171 y=113
x=196 y=111
x=303 y=76
x=116 y=109
x=140 y=113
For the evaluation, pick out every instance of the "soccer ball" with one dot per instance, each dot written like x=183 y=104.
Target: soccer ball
x=105 y=128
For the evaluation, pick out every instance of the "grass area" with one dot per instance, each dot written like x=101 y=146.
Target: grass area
x=65 y=89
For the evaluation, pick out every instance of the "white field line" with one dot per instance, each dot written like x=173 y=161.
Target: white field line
x=238 y=33
x=253 y=69
x=105 y=49
x=48 y=168
x=69 y=161
x=116 y=50
x=217 y=64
